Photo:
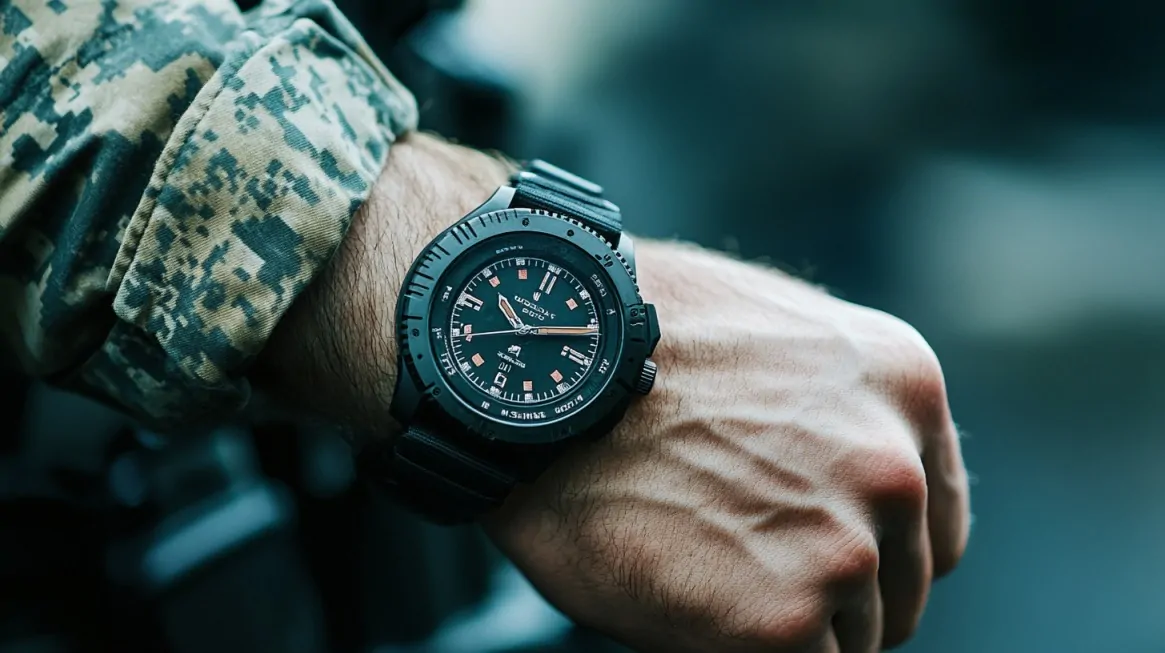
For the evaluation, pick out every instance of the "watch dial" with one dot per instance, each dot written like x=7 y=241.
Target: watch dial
x=526 y=333
x=524 y=330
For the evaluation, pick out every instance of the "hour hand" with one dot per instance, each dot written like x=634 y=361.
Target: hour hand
x=508 y=311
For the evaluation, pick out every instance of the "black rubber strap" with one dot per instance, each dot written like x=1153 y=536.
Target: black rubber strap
x=541 y=185
x=430 y=476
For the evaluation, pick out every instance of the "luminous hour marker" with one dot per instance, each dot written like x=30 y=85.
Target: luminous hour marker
x=556 y=375
x=495 y=282
x=571 y=304
x=522 y=274
x=478 y=360
x=547 y=283
x=527 y=386
x=575 y=356
x=467 y=329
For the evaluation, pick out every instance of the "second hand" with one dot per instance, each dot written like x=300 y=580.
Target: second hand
x=537 y=331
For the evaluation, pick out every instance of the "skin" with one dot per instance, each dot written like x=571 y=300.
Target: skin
x=793 y=483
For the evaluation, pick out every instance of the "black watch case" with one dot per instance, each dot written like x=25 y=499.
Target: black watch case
x=423 y=389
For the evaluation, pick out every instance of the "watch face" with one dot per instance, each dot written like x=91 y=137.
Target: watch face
x=526 y=328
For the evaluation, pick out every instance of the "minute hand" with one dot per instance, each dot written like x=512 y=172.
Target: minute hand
x=565 y=331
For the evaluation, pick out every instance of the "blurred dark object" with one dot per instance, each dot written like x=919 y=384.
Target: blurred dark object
x=1075 y=58
x=384 y=24
x=460 y=95
x=423 y=44
x=202 y=552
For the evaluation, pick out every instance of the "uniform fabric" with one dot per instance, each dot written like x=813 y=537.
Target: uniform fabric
x=173 y=173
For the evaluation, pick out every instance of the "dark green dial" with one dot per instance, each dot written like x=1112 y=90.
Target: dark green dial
x=524 y=331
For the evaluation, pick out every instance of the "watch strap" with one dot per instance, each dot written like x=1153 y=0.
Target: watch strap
x=541 y=185
x=430 y=476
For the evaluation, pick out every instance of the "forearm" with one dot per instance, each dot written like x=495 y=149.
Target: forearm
x=334 y=353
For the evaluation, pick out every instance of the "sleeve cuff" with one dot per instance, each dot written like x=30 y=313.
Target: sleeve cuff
x=250 y=199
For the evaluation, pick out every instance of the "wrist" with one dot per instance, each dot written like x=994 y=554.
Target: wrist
x=334 y=354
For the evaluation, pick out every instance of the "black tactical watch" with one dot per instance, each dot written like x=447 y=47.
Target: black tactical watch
x=520 y=331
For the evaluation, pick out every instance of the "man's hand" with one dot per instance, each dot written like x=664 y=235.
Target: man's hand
x=792 y=483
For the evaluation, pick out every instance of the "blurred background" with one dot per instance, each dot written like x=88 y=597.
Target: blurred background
x=993 y=171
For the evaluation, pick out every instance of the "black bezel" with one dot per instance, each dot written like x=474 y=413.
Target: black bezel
x=422 y=379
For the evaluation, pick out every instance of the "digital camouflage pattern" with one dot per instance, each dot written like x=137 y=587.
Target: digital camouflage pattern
x=172 y=174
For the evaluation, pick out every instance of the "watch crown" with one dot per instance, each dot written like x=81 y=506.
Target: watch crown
x=646 y=377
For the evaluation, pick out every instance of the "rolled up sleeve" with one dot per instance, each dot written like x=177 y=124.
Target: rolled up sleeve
x=250 y=140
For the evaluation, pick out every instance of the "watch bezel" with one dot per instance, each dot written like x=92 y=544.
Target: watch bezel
x=419 y=364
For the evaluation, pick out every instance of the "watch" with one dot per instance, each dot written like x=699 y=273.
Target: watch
x=520 y=331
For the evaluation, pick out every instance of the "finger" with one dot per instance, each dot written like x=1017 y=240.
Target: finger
x=830 y=644
x=904 y=576
x=857 y=628
x=949 y=504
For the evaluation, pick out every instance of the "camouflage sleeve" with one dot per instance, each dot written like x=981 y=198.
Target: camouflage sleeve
x=173 y=173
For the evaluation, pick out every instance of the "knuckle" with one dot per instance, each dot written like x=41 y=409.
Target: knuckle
x=914 y=368
x=894 y=476
x=795 y=626
x=923 y=384
x=886 y=473
x=854 y=560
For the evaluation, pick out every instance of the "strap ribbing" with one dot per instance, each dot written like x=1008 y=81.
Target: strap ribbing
x=541 y=185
